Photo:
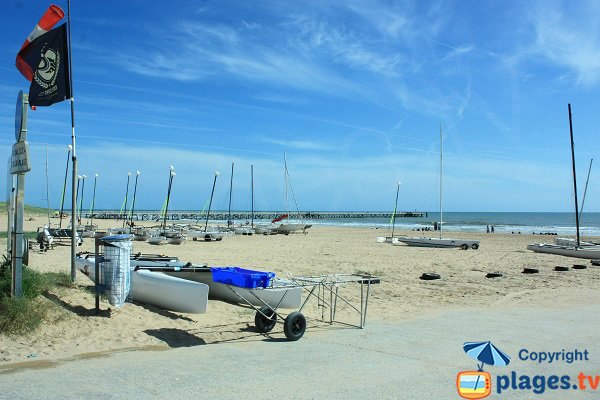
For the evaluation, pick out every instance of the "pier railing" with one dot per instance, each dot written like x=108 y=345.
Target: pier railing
x=246 y=215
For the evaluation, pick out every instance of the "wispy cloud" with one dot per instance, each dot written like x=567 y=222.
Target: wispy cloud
x=569 y=37
x=299 y=144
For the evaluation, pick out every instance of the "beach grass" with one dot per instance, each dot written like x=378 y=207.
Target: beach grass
x=26 y=314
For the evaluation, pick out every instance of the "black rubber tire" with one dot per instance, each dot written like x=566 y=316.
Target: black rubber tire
x=464 y=246
x=493 y=275
x=530 y=270
x=25 y=258
x=294 y=326
x=561 y=268
x=264 y=324
x=579 y=266
x=429 y=276
x=474 y=246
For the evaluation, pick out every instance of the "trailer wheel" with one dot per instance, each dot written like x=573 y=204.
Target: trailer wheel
x=25 y=258
x=294 y=326
x=262 y=323
x=464 y=246
x=474 y=246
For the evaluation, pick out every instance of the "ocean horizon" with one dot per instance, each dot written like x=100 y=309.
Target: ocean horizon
x=561 y=223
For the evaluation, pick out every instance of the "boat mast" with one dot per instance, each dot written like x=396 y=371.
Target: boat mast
x=93 y=201
x=171 y=174
x=210 y=202
x=252 y=194
x=229 y=221
x=441 y=174
x=62 y=202
x=137 y=175
x=395 y=208
x=586 y=186
x=574 y=175
x=285 y=181
x=125 y=202
x=47 y=194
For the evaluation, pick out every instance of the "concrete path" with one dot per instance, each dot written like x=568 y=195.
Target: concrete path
x=417 y=359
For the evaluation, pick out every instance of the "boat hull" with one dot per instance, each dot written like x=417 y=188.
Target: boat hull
x=283 y=294
x=436 y=242
x=159 y=289
x=587 y=252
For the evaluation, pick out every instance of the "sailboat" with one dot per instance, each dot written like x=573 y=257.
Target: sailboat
x=288 y=226
x=389 y=239
x=438 y=242
x=196 y=232
x=576 y=249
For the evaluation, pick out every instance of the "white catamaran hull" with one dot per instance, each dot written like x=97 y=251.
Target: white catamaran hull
x=159 y=289
x=586 y=252
x=436 y=242
x=283 y=294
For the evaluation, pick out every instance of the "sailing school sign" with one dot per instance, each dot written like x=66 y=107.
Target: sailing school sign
x=19 y=160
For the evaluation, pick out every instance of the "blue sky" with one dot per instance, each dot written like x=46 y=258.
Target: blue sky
x=353 y=92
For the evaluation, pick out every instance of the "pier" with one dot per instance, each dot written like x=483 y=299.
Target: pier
x=247 y=215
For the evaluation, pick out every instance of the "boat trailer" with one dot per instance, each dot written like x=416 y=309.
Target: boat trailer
x=324 y=288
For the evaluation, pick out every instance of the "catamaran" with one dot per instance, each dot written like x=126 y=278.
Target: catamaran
x=576 y=249
x=437 y=242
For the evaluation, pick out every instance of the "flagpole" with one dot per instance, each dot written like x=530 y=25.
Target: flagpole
x=73 y=154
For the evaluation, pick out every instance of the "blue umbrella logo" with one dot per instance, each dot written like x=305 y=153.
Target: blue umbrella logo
x=486 y=353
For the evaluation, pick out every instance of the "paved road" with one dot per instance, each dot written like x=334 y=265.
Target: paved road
x=417 y=359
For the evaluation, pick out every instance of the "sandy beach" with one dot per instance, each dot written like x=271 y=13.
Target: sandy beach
x=402 y=297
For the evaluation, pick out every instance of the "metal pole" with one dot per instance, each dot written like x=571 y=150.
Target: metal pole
x=47 y=190
x=93 y=201
x=81 y=199
x=441 y=175
x=252 y=192
x=137 y=175
x=229 y=221
x=125 y=203
x=171 y=174
x=62 y=202
x=74 y=156
x=586 y=187
x=210 y=202
x=395 y=208
x=77 y=195
x=574 y=175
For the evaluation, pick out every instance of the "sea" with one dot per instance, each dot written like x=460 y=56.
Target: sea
x=560 y=223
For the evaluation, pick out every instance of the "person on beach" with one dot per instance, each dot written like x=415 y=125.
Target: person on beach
x=492 y=229
x=487 y=229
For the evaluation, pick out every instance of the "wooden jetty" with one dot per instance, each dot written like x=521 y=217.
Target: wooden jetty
x=152 y=215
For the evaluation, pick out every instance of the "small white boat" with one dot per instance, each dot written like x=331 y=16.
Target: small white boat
x=264 y=229
x=158 y=289
x=586 y=252
x=291 y=227
x=156 y=239
x=243 y=231
x=281 y=293
x=206 y=235
x=384 y=239
x=436 y=242
x=140 y=234
x=571 y=242
x=176 y=239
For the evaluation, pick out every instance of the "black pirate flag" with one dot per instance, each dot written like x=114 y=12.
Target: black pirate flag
x=48 y=57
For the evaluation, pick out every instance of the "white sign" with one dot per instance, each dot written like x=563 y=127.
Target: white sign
x=19 y=160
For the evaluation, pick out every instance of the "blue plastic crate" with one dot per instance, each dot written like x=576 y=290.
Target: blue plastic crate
x=241 y=277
